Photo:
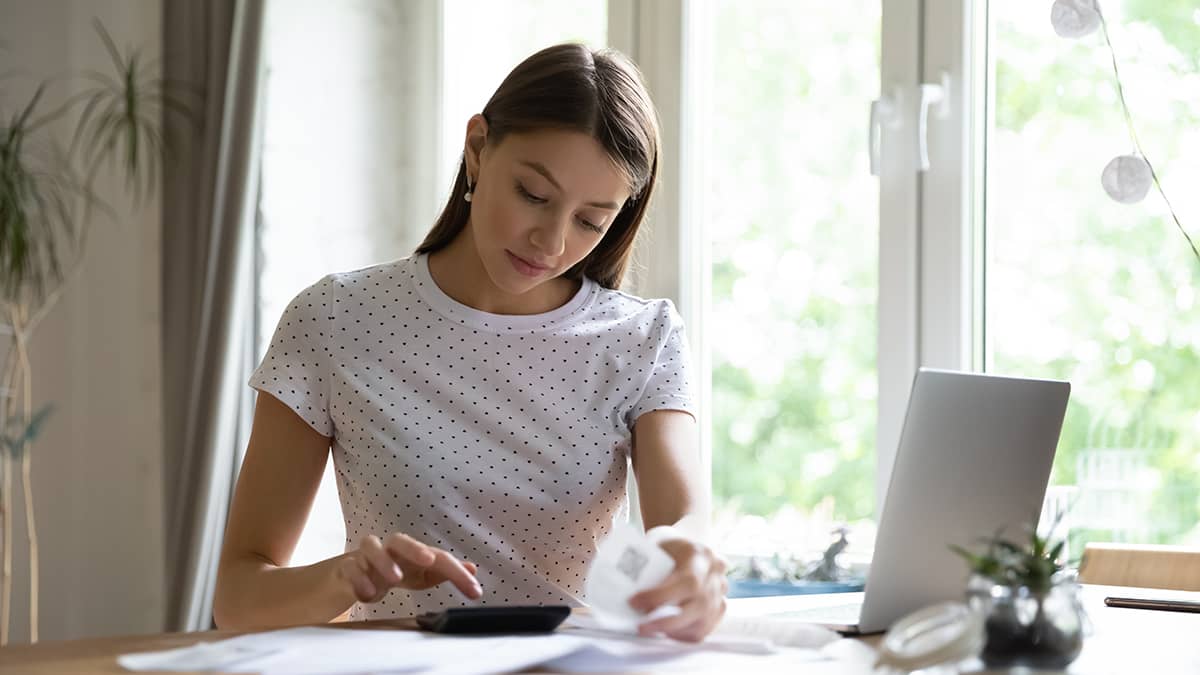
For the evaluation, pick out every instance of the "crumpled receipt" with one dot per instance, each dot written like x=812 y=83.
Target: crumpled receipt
x=627 y=562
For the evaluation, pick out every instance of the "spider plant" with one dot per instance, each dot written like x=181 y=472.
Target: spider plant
x=47 y=200
x=1035 y=565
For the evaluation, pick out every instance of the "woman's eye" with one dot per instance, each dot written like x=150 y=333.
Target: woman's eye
x=529 y=197
x=534 y=199
x=590 y=226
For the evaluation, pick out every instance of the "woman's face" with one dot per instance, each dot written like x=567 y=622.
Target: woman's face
x=542 y=201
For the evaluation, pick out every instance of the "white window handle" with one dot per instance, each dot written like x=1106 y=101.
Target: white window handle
x=931 y=95
x=884 y=113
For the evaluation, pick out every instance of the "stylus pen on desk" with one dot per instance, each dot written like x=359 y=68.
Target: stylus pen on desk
x=1150 y=603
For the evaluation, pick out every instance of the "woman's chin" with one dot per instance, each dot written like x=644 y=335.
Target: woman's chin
x=513 y=283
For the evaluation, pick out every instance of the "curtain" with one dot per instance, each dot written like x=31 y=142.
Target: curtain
x=210 y=203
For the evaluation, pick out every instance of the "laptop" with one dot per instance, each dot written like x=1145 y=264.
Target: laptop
x=974 y=457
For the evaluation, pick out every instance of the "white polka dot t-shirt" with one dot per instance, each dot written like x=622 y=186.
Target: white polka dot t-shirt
x=500 y=438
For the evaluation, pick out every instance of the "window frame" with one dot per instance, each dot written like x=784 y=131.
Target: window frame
x=930 y=310
x=665 y=39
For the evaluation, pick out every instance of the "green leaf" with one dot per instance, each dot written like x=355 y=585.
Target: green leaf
x=109 y=45
x=1057 y=550
x=85 y=118
x=23 y=432
x=23 y=118
x=1033 y=565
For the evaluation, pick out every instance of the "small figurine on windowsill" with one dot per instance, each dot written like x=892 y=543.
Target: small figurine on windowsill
x=827 y=568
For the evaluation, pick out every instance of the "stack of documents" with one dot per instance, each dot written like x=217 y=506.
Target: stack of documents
x=578 y=647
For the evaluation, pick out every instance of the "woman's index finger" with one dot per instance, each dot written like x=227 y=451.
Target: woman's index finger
x=410 y=550
x=449 y=567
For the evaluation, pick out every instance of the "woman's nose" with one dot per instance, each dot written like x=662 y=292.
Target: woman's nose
x=550 y=236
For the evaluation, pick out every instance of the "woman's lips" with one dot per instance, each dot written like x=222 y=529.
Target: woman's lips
x=524 y=266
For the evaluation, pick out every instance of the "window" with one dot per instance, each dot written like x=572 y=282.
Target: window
x=793 y=219
x=1083 y=288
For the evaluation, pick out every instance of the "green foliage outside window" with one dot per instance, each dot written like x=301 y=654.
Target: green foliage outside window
x=1079 y=287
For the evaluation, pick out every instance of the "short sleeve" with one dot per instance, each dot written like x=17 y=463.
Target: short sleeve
x=669 y=386
x=296 y=367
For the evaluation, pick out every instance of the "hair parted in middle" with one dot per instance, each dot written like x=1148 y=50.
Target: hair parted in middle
x=571 y=87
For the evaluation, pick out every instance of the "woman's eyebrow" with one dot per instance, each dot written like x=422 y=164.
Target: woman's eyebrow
x=541 y=168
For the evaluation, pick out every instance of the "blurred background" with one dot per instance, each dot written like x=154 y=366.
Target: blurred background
x=810 y=287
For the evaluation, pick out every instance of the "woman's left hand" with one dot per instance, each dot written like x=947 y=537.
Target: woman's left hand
x=697 y=586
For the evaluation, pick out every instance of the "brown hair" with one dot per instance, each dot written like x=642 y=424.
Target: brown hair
x=596 y=92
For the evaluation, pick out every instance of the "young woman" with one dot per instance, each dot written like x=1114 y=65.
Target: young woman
x=482 y=397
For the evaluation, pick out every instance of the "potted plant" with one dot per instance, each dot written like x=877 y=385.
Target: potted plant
x=1029 y=599
x=46 y=203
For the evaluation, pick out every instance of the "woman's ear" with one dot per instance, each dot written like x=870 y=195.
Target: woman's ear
x=477 y=129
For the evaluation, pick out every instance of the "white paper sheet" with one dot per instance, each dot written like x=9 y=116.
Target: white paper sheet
x=338 y=651
x=750 y=635
x=587 y=626
x=333 y=651
x=609 y=656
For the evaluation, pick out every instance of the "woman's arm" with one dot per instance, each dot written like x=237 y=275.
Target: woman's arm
x=667 y=467
x=275 y=489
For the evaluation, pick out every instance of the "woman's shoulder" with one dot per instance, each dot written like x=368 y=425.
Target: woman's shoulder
x=336 y=288
x=622 y=304
x=391 y=273
x=387 y=274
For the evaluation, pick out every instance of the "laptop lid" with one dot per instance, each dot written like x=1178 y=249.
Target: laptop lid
x=974 y=457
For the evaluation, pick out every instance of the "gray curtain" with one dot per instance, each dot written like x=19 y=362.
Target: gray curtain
x=210 y=202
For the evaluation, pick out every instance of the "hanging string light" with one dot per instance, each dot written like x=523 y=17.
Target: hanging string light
x=1127 y=178
x=1075 y=18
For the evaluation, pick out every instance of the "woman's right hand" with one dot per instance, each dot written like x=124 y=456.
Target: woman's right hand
x=367 y=573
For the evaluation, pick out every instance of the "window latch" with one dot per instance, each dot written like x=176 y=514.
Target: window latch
x=885 y=113
x=936 y=96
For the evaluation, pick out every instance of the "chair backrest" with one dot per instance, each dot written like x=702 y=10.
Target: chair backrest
x=1172 y=567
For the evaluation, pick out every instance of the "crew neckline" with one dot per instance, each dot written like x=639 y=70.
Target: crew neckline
x=450 y=308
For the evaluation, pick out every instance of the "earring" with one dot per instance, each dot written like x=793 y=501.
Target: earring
x=467 y=195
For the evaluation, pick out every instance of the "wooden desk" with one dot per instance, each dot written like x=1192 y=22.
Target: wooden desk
x=1124 y=641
